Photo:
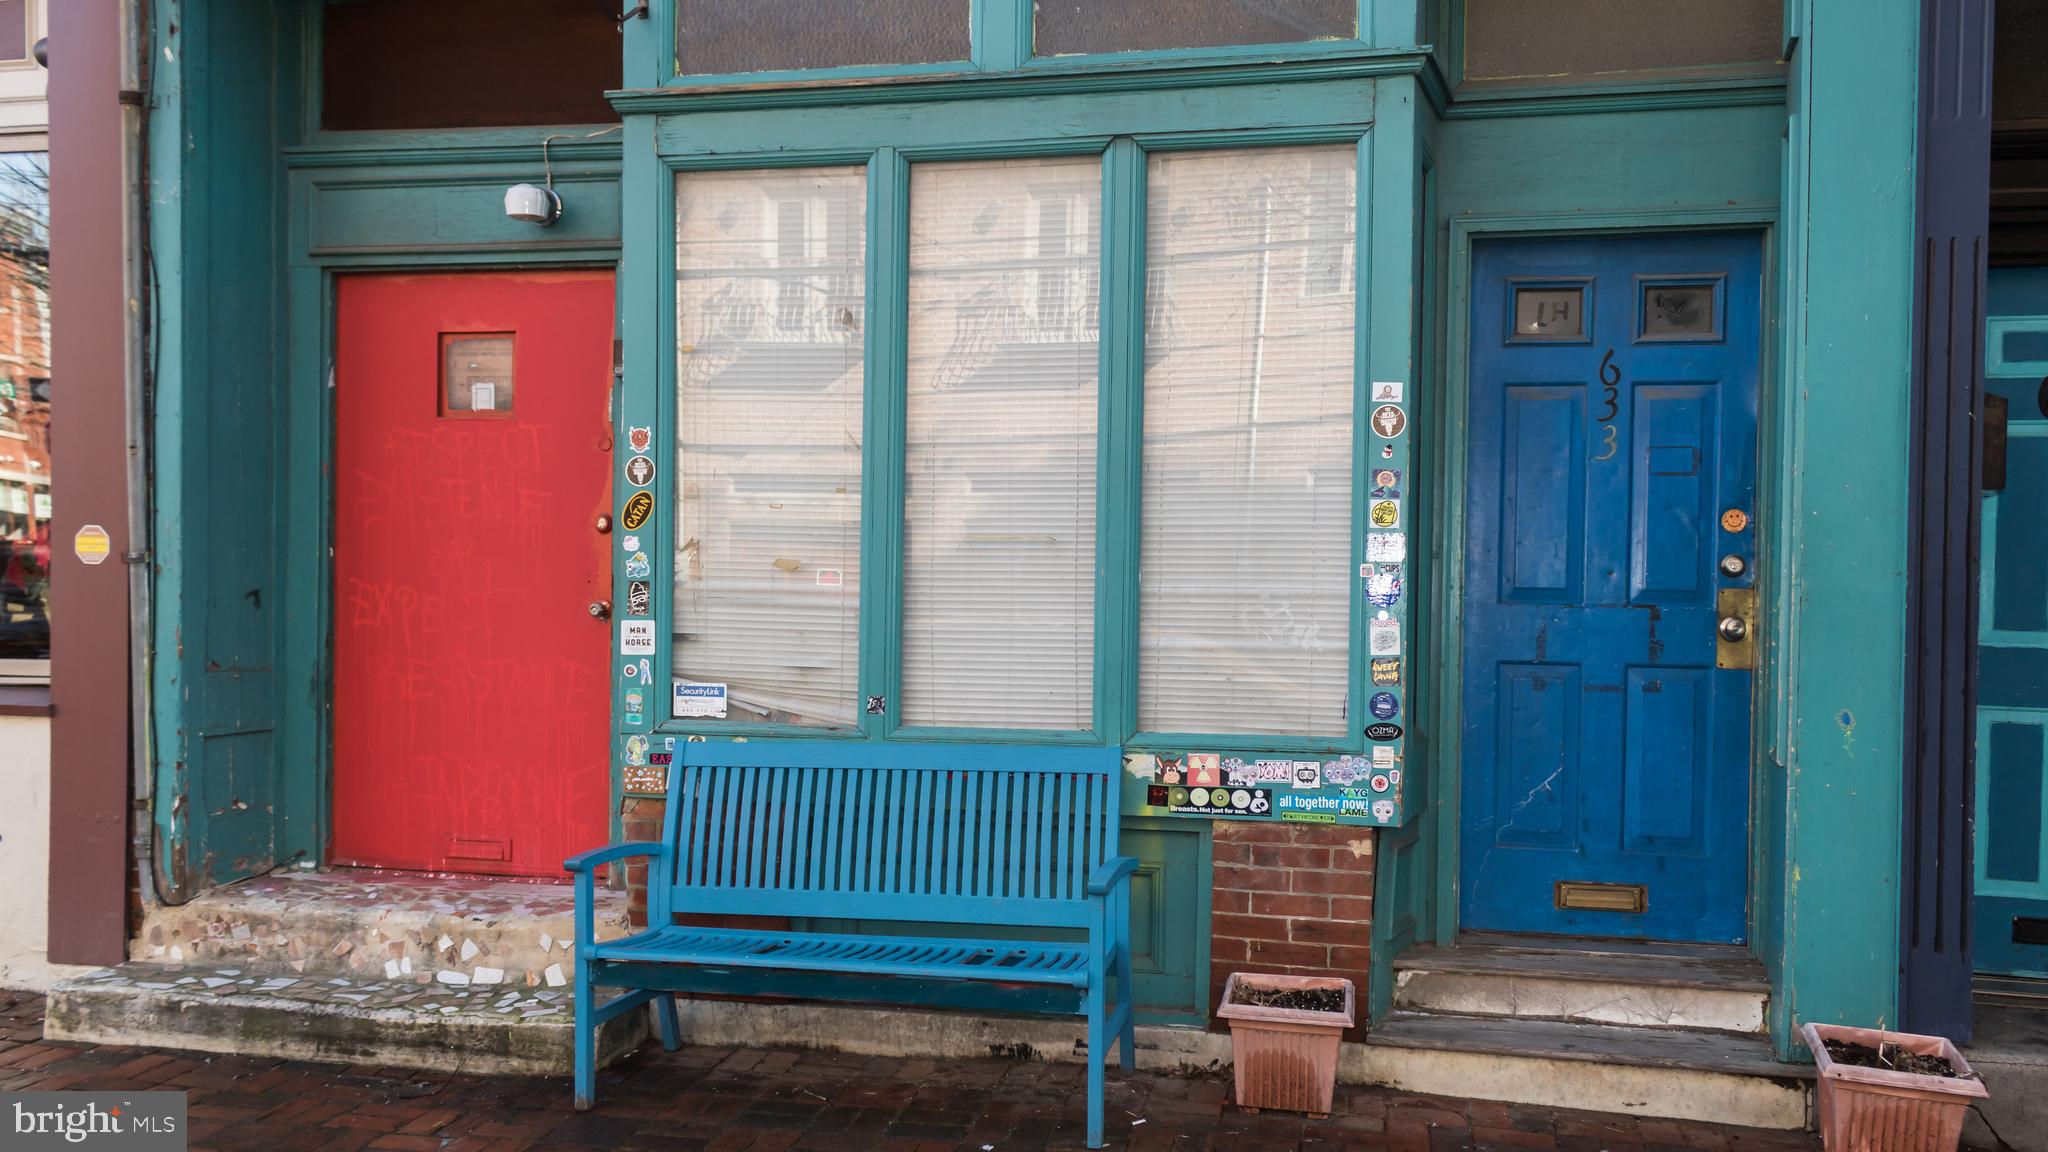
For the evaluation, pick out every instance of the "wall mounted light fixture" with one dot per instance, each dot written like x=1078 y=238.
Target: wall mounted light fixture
x=533 y=203
x=541 y=204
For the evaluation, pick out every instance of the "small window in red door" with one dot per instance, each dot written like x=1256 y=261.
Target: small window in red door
x=476 y=374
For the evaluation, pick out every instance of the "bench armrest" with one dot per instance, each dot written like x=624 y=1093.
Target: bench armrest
x=585 y=861
x=1110 y=873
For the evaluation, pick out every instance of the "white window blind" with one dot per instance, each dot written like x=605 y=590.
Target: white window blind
x=770 y=296
x=1245 y=580
x=999 y=511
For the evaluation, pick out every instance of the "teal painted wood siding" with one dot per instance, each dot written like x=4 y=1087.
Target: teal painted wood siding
x=1835 y=672
x=228 y=808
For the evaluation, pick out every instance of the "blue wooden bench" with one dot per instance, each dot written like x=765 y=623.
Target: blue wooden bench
x=1005 y=841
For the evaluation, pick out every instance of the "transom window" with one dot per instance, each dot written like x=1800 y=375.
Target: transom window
x=1071 y=472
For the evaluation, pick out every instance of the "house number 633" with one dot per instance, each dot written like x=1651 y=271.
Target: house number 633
x=1610 y=382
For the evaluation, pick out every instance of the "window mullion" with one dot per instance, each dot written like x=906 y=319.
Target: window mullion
x=1002 y=34
x=881 y=641
x=1123 y=378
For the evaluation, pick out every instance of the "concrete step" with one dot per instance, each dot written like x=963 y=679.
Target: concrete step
x=2009 y=1050
x=1697 y=987
x=1665 y=1072
x=512 y=1029
x=365 y=924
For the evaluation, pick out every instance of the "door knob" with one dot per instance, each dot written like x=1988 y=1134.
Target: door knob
x=604 y=523
x=600 y=609
x=1732 y=628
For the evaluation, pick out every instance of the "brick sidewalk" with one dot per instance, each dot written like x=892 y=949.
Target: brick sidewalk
x=726 y=1100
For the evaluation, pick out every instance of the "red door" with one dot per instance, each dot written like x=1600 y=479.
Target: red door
x=472 y=458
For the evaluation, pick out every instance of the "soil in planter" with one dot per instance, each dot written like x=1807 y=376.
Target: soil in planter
x=1892 y=1059
x=1297 y=999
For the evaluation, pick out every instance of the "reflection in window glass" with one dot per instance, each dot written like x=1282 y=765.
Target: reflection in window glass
x=770 y=309
x=715 y=36
x=1678 y=310
x=24 y=407
x=1245 y=583
x=1063 y=27
x=999 y=511
x=14 y=38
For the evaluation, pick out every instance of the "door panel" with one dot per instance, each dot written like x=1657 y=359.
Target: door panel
x=2012 y=682
x=1671 y=497
x=1602 y=745
x=472 y=457
x=1545 y=424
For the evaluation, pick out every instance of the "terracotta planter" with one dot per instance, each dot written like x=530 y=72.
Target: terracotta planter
x=1878 y=1110
x=1282 y=1057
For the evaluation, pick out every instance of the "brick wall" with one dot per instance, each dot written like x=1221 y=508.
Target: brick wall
x=640 y=820
x=1293 y=899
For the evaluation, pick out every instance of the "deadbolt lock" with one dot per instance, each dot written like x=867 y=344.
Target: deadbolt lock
x=1733 y=565
x=600 y=609
x=1734 y=636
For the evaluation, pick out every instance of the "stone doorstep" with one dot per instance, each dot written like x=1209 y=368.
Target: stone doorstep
x=1666 y=1072
x=487 y=1029
x=1543 y=997
x=1700 y=987
x=366 y=924
x=2010 y=1052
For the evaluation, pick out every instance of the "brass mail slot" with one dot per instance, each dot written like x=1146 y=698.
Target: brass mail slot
x=1581 y=896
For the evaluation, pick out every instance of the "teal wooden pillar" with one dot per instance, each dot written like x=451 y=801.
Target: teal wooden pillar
x=1837 y=577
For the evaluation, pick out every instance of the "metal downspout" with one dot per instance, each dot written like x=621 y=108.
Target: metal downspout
x=136 y=330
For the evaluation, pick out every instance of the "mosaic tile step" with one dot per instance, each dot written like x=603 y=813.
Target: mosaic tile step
x=490 y=1026
x=365 y=925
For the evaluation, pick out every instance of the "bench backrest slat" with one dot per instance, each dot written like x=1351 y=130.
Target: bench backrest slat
x=970 y=833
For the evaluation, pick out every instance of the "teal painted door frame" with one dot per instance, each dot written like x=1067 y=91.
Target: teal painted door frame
x=1842 y=502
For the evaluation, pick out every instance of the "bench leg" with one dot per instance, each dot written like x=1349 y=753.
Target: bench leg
x=1098 y=1056
x=1127 y=1041
x=665 y=1015
x=586 y=1041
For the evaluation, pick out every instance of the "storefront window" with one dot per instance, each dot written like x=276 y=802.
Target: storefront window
x=24 y=413
x=1245 y=581
x=770 y=303
x=1002 y=596
x=999 y=507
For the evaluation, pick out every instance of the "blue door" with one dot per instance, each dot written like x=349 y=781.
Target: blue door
x=1611 y=478
x=2012 y=637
